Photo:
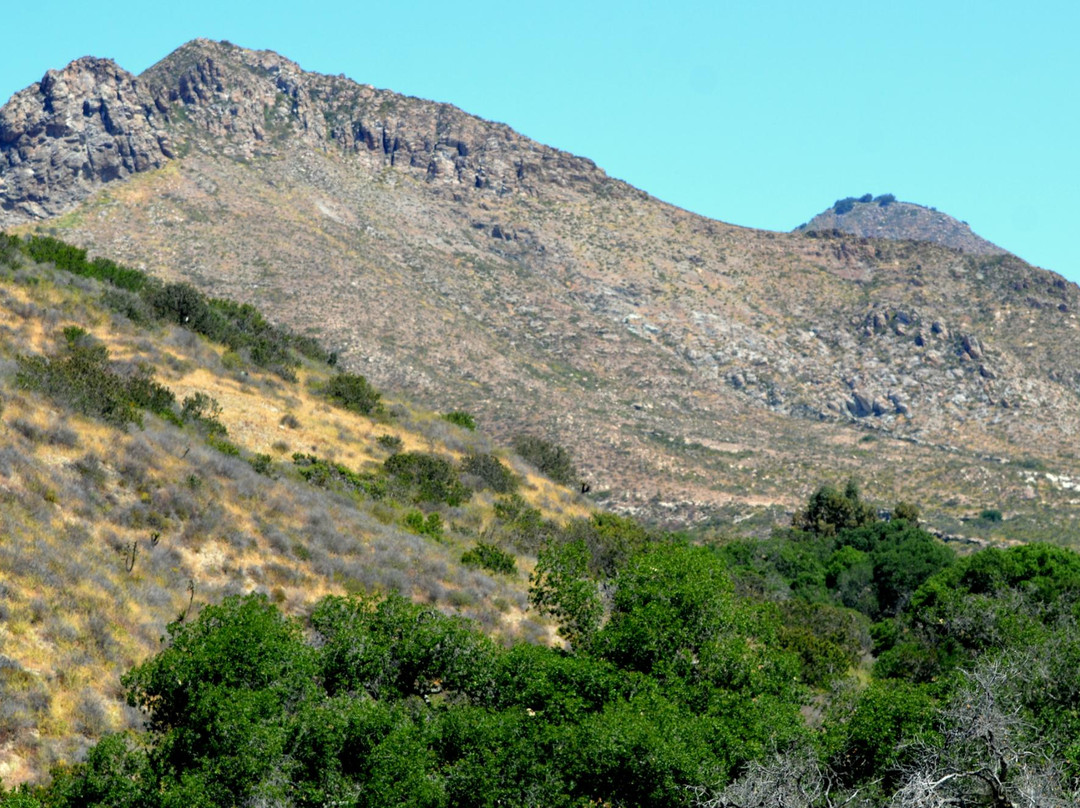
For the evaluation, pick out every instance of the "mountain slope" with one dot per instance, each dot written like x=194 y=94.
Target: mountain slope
x=698 y=369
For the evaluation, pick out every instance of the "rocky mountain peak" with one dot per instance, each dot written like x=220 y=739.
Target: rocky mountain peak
x=94 y=122
x=87 y=124
x=884 y=217
x=253 y=103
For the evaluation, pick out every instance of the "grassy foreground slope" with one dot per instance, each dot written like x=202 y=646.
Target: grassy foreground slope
x=111 y=529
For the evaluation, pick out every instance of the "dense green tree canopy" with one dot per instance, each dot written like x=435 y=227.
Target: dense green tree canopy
x=695 y=675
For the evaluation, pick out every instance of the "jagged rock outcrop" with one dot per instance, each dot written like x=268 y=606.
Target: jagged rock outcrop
x=76 y=129
x=93 y=122
x=253 y=101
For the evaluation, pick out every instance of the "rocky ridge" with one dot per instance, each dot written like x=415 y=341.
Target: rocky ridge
x=274 y=102
x=93 y=122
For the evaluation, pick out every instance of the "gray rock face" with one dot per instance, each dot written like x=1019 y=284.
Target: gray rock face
x=252 y=102
x=76 y=129
x=972 y=346
x=93 y=123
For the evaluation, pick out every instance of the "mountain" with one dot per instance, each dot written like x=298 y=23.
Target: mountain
x=699 y=371
x=884 y=217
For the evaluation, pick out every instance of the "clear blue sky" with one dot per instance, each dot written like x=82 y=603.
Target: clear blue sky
x=757 y=113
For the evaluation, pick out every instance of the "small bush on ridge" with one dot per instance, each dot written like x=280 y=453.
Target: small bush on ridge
x=462 y=419
x=489 y=469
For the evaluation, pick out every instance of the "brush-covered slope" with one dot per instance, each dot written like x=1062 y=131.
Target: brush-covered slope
x=117 y=517
x=884 y=217
x=699 y=369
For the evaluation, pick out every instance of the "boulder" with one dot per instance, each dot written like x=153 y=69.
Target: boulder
x=971 y=346
x=860 y=405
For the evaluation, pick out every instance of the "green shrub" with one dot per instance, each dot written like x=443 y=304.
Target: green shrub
x=512 y=507
x=887 y=717
x=9 y=251
x=133 y=306
x=1030 y=463
x=352 y=392
x=609 y=538
x=231 y=360
x=491 y=558
x=391 y=442
x=904 y=558
x=830 y=510
x=325 y=474
x=262 y=463
x=521 y=525
x=431 y=478
x=906 y=511
x=223 y=445
x=491 y=470
x=430 y=526
x=81 y=378
x=990 y=515
x=46 y=249
x=562 y=588
x=462 y=419
x=550 y=459
x=150 y=394
x=204 y=411
x=184 y=305
x=828 y=639
x=821 y=660
x=75 y=335
x=845 y=205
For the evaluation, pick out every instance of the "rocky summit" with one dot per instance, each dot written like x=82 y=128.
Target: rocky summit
x=884 y=217
x=698 y=370
x=93 y=122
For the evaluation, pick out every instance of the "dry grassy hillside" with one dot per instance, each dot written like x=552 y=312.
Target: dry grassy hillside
x=109 y=533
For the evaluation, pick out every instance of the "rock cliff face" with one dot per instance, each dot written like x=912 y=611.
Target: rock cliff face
x=253 y=102
x=78 y=128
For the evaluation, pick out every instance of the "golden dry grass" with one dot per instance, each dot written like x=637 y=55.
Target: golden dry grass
x=76 y=495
